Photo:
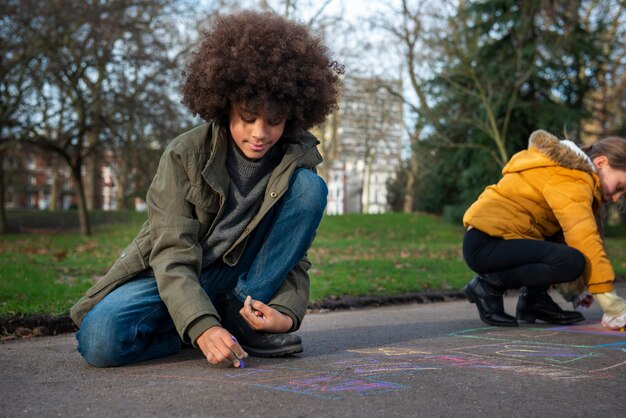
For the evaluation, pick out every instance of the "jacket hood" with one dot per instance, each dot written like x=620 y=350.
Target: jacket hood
x=546 y=150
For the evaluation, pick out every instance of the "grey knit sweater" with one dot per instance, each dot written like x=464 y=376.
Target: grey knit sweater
x=248 y=180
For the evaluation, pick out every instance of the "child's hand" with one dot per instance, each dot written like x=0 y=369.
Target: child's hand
x=614 y=322
x=614 y=308
x=584 y=299
x=219 y=346
x=261 y=317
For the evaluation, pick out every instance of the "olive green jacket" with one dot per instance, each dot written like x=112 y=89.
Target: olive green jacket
x=185 y=198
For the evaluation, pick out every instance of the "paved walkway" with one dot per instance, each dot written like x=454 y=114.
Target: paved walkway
x=412 y=360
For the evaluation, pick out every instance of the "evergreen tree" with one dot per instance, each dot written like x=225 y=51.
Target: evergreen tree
x=511 y=67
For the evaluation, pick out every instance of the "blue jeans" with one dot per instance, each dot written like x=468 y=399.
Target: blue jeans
x=132 y=324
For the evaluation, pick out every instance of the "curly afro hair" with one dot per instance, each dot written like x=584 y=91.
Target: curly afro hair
x=264 y=61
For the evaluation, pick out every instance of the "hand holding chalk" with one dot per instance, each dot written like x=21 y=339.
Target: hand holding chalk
x=241 y=364
x=249 y=304
x=219 y=346
x=261 y=317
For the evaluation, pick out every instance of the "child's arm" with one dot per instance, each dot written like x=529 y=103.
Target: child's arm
x=571 y=201
x=176 y=255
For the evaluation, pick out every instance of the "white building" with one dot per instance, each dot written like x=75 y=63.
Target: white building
x=369 y=146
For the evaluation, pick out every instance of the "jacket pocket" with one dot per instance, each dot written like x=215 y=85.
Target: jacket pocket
x=206 y=205
x=204 y=200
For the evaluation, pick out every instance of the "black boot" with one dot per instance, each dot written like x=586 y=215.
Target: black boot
x=535 y=303
x=486 y=293
x=259 y=344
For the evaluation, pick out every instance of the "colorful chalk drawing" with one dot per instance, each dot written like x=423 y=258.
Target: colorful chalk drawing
x=374 y=371
x=535 y=351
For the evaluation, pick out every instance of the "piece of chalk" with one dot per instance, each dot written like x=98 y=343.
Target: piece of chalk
x=241 y=365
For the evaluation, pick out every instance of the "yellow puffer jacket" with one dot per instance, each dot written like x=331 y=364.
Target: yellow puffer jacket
x=550 y=188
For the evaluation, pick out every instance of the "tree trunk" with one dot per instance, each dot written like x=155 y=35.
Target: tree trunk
x=365 y=188
x=83 y=213
x=329 y=145
x=121 y=184
x=91 y=182
x=409 y=192
x=4 y=226
x=55 y=187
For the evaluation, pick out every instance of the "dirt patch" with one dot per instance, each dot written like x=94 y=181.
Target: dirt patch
x=332 y=303
x=29 y=326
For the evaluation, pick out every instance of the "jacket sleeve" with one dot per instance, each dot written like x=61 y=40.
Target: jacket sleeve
x=571 y=200
x=176 y=257
x=292 y=297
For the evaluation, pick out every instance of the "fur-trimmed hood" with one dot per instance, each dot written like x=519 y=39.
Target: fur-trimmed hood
x=547 y=150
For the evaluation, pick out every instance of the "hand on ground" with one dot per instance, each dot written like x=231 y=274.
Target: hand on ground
x=614 y=322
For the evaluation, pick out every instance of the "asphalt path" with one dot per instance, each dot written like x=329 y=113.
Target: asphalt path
x=434 y=359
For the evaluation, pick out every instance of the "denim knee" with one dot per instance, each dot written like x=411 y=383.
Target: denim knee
x=99 y=343
x=308 y=190
x=103 y=342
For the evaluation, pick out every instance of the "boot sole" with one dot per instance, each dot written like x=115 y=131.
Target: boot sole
x=470 y=297
x=533 y=318
x=273 y=352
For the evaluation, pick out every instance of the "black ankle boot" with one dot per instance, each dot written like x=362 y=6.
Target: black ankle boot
x=488 y=299
x=536 y=304
x=259 y=344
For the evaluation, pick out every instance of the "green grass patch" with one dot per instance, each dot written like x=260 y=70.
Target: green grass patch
x=615 y=240
x=46 y=272
x=386 y=254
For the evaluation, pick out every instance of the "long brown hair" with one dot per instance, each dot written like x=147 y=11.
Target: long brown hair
x=613 y=148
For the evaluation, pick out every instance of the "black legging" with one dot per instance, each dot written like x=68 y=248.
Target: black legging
x=522 y=262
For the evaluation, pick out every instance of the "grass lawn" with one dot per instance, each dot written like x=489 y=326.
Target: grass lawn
x=46 y=272
x=386 y=254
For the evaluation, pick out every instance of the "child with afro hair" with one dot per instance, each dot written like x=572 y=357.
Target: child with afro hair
x=221 y=262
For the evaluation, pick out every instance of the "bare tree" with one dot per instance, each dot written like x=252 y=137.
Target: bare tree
x=606 y=103
x=140 y=130
x=16 y=63
x=142 y=108
x=371 y=135
x=298 y=9
x=328 y=133
x=415 y=42
x=87 y=50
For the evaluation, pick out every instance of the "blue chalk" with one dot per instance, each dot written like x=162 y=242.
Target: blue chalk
x=241 y=365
